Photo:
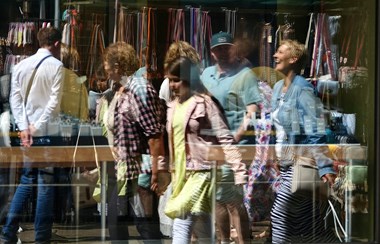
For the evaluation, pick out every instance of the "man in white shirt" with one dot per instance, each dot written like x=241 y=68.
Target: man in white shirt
x=33 y=106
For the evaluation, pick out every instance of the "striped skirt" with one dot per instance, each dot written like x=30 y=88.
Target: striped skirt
x=297 y=218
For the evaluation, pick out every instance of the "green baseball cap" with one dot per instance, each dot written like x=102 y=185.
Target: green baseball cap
x=221 y=38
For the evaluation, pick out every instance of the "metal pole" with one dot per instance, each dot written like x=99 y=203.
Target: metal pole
x=116 y=17
x=42 y=9
x=103 y=204
x=56 y=14
x=213 y=201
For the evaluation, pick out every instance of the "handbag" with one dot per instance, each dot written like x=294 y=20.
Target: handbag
x=83 y=186
x=353 y=76
x=192 y=197
x=326 y=86
x=306 y=180
x=166 y=223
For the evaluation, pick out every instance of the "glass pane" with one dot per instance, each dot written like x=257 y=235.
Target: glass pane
x=221 y=99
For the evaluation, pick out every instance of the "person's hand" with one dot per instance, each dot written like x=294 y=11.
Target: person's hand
x=160 y=182
x=164 y=179
x=276 y=167
x=32 y=129
x=330 y=178
x=26 y=138
x=246 y=121
x=239 y=188
x=154 y=182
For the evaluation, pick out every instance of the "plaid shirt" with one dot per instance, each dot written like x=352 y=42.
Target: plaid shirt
x=138 y=116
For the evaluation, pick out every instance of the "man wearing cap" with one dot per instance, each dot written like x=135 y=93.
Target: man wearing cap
x=232 y=83
x=236 y=88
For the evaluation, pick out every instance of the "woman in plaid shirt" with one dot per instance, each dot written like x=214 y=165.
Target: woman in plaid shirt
x=135 y=122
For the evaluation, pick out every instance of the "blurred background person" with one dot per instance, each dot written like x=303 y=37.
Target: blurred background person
x=75 y=96
x=74 y=105
x=263 y=173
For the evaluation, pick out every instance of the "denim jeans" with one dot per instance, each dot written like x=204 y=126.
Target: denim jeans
x=43 y=221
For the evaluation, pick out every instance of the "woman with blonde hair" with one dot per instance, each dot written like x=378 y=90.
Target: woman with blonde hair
x=75 y=96
x=295 y=112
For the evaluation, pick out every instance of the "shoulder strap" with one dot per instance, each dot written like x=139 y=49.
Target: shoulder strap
x=32 y=78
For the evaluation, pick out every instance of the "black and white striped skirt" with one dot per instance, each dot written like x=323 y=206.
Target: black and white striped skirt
x=297 y=218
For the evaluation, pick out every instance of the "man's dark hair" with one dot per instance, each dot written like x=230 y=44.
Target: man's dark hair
x=48 y=36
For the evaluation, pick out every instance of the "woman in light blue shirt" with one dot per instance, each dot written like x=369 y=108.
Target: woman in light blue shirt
x=298 y=117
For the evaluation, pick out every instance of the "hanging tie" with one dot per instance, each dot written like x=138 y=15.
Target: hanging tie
x=317 y=40
x=327 y=44
x=346 y=43
x=207 y=35
x=116 y=18
x=320 y=45
x=307 y=40
x=170 y=28
x=143 y=35
x=148 y=52
x=138 y=27
x=154 y=40
x=360 y=43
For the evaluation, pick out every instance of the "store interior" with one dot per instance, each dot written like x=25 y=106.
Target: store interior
x=151 y=25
